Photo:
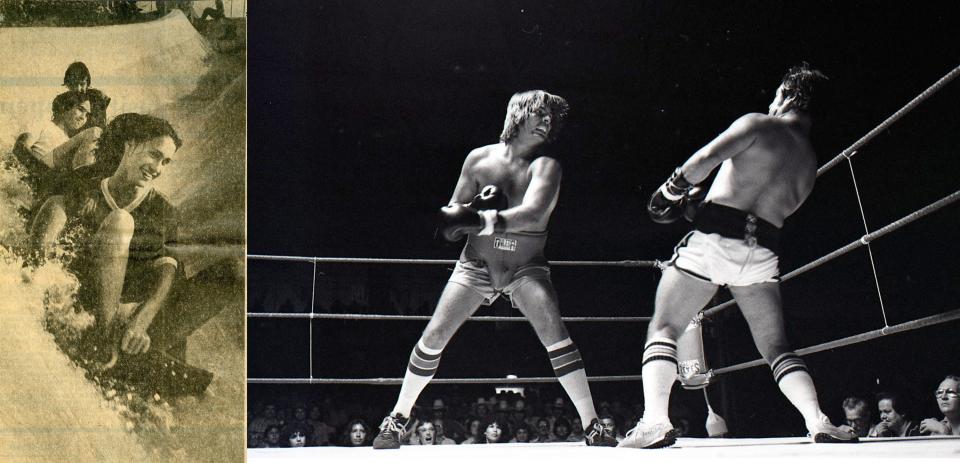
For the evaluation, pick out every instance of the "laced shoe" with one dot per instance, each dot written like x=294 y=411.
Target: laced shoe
x=597 y=435
x=650 y=436
x=391 y=429
x=826 y=433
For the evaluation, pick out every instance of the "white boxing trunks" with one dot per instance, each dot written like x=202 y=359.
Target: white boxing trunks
x=725 y=261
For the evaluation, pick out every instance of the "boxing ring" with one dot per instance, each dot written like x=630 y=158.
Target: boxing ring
x=686 y=448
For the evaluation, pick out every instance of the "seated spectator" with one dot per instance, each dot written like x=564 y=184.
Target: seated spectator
x=521 y=433
x=425 y=435
x=441 y=438
x=452 y=429
x=610 y=423
x=357 y=433
x=267 y=418
x=493 y=433
x=254 y=439
x=322 y=432
x=894 y=417
x=297 y=436
x=561 y=430
x=949 y=402
x=51 y=150
x=272 y=437
x=857 y=417
x=576 y=430
x=474 y=435
x=213 y=13
x=298 y=423
x=543 y=431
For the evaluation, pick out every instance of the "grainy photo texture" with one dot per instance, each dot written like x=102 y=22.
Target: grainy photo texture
x=122 y=235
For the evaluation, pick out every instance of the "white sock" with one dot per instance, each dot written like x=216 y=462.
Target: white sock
x=568 y=366
x=659 y=372
x=421 y=369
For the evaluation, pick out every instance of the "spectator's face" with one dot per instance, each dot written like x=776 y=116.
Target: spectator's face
x=493 y=432
x=357 y=435
x=543 y=427
x=523 y=435
x=947 y=398
x=76 y=117
x=300 y=414
x=254 y=439
x=561 y=429
x=576 y=424
x=315 y=413
x=270 y=411
x=144 y=161
x=427 y=433
x=482 y=410
x=857 y=418
x=273 y=436
x=609 y=425
x=438 y=428
x=888 y=414
x=474 y=427
x=297 y=439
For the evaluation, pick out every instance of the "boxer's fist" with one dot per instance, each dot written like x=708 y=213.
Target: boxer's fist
x=458 y=220
x=489 y=198
x=662 y=210
x=691 y=202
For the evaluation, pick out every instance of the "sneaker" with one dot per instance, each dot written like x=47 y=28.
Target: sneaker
x=650 y=436
x=391 y=429
x=597 y=435
x=826 y=433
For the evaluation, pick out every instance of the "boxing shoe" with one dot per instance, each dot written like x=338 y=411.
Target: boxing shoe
x=391 y=429
x=597 y=435
x=826 y=433
x=650 y=435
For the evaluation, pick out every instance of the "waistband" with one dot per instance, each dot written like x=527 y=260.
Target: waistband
x=733 y=223
x=507 y=250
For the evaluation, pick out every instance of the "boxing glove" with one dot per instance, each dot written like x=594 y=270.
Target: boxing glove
x=489 y=197
x=665 y=205
x=691 y=202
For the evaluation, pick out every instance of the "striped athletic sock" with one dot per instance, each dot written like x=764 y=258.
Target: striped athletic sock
x=659 y=371
x=787 y=362
x=568 y=366
x=793 y=379
x=420 y=370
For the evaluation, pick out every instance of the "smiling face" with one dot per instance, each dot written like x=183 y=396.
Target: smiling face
x=142 y=162
x=75 y=117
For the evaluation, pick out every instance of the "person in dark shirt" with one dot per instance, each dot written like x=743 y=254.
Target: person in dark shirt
x=123 y=230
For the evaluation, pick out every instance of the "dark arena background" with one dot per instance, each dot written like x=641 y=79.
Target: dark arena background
x=361 y=113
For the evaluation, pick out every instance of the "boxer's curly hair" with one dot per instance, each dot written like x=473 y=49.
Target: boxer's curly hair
x=524 y=104
x=800 y=83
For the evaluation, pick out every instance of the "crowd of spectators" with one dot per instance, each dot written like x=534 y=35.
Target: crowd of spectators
x=897 y=417
x=510 y=417
x=506 y=417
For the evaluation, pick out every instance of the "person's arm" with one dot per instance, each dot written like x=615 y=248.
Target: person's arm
x=466 y=187
x=538 y=201
x=136 y=340
x=733 y=141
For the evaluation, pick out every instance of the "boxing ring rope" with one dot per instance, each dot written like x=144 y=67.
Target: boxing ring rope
x=864 y=240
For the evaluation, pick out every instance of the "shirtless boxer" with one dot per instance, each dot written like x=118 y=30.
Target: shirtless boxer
x=767 y=169
x=502 y=203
